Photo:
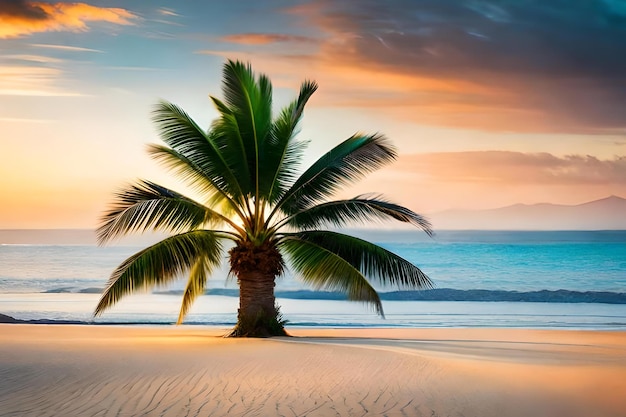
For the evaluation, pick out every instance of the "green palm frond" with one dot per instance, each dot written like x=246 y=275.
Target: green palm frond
x=188 y=173
x=227 y=136
x=323 y=269
x=192 y=175
x=184 y=136
x=281 y=154
x=347 y=162
x=195 y=285
x=373 y=261
x=359 y=209
x=160 y=264
x=249 y=99
x=149 y=206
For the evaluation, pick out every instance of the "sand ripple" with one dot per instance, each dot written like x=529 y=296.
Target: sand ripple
x=74 y=371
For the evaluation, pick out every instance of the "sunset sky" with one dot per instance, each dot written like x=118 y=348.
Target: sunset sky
x=490 y=103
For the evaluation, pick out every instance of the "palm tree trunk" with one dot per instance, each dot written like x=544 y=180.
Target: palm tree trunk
x=258 y=315
x=256 y=268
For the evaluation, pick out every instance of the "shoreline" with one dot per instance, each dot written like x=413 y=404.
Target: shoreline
x=300 y=328
x=77 y=370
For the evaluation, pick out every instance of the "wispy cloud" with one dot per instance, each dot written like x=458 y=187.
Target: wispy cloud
x=263 y=38
x=64 y=47
x=167 y=16
x=133 y=68
x=167 y=22
x=33 y=58
x=38 y=75
x=167 y=12
x=32 y=81
x=22 y=18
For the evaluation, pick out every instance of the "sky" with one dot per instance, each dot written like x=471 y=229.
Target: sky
x=489 y=103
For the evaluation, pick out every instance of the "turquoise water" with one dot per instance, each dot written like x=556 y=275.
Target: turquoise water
x=62 y=282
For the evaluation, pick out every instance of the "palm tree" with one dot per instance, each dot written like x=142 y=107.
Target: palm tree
x=246 y=169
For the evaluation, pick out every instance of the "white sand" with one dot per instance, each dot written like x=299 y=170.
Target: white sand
x=58 y=370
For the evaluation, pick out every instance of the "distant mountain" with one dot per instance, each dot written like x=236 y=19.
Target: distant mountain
x=605 y=214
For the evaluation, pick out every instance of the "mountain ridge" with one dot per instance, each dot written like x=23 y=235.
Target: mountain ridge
x=607 y=213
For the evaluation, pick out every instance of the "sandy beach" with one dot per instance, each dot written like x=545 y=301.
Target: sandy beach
x=87 y=370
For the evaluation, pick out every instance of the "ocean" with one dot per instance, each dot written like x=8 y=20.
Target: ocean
x=566 y=280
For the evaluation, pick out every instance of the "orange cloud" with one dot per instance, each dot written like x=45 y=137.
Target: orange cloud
x=347 y=85
x=23 y=18
x=504 y=167
x=422 y=98
x=432 y=182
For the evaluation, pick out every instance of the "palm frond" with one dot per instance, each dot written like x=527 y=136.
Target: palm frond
x=149 y=206
x=373 y=261
x=249 y=100
x=324 y=269
x=220 y=106
x=190 y=174
x=227 y=137
x=160 y=264
x=359 y=209
x=281 y=154
x=195 y=285
x=289 y=169
x=347 y=162
x=214 y=198
x=182 y=134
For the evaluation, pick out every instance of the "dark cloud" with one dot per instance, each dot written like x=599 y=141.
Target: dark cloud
x=21 y=9
x=564 y=58
x=561 y=38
